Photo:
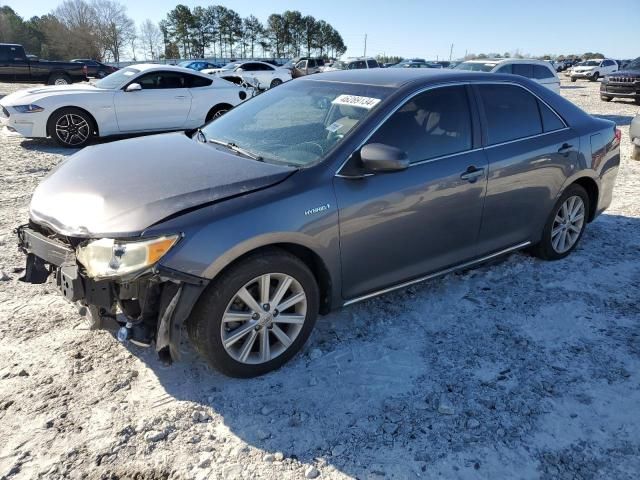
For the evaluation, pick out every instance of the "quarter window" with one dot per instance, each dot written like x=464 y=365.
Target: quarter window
x=505 y=69
x=541 y=72
x=550 y=120
x=511 y=113
x=430 y=125
x=194 y=81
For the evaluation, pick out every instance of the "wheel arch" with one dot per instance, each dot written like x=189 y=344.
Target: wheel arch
x=218 y=106
x=311 y=259
x=592 y=189
x=91 y=117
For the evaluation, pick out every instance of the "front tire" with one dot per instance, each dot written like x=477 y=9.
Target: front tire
x=573 y=79
x=595 y=77
x=275 y=82
x=565 y=225
x=256 y=315
x=71 y=127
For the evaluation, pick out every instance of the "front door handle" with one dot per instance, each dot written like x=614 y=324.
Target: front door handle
x=472 y=174
x=181 y=96
x=565 y=148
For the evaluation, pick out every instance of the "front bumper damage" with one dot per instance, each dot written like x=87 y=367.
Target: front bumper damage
x=156 y=302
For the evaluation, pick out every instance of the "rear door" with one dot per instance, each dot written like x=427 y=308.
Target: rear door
x=531 y=152
x=163 y=103
x=399 y=226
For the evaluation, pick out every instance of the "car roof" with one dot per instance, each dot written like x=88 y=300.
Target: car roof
x=398 y=77
x=496 y=61
x=149 y=67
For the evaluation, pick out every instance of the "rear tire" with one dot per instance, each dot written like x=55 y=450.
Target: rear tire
x=217 y=111
x=606 y=98
x=567 y=220
x=573 y=79
x=71 y=127
x=594 y=77
x=235 y=347
x=59 y=79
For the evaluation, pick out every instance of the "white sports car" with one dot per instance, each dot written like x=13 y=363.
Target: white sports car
x=140 y=98
x=261 y=74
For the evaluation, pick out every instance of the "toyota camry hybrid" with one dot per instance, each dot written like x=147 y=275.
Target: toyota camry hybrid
x=323 y=192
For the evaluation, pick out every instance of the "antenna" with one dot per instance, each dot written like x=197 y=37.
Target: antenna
x=451 y=52
x=365 y=44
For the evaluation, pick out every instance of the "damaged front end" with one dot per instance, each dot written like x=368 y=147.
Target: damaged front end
x=154 y=301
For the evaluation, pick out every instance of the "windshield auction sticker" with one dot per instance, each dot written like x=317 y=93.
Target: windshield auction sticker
x=356 y=101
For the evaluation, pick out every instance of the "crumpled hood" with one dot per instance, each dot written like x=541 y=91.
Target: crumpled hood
x=121 y=188
x=32 y=95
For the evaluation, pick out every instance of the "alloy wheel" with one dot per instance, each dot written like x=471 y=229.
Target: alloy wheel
x=264 y=318
x=219 y=113
x=568 y=224
x=72 y=129
x=60 y=81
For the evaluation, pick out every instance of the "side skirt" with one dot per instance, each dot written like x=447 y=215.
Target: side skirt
x=437 y=274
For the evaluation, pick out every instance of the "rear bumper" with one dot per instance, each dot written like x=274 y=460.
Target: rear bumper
x=161 y=298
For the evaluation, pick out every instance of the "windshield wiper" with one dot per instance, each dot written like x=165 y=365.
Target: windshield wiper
x=236 y=148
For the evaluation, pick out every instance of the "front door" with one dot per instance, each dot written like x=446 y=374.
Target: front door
x=163 y=103
x=399 y=226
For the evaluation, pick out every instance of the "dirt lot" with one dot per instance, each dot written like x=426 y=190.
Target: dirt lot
x=524 y=369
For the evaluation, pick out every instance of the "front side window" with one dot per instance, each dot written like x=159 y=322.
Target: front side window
x=161 y=80
x=372 y=64
x=511 y=113
x=430 y=125
x=298 y=123
x=505 y=69
x=4 y=53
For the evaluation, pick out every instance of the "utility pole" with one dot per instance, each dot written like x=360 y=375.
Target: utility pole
x=365 y=44
x=451 y=52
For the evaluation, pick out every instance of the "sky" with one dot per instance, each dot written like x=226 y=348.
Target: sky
x=427 y=29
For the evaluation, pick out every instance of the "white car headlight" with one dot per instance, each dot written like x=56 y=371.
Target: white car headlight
x=31 y=108
x=109 y=258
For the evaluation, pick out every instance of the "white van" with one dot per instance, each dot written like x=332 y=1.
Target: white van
x=537 y=70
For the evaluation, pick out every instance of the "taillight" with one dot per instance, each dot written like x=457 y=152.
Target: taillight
x=84 y=70
x=618 y=135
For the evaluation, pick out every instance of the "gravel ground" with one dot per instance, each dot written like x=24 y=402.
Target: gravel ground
x=523 y=369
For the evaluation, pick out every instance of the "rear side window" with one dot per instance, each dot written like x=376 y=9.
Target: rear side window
x=523 y=69
x=550 y=120
x=372 y=64
x=194 y=81
x=511 y=113
x=540 y=72
x=430 y=125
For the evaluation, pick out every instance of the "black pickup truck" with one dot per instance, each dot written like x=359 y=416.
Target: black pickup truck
x=16 y=66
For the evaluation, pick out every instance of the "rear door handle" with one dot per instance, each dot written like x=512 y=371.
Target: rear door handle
x=181 y=96
x=566 y=147
x=472 y=174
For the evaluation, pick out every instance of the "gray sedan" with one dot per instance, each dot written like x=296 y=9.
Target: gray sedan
x=318 y=194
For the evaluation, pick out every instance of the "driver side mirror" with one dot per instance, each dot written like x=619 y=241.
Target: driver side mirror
x=378 y=157
x=133 y=87
x=240 y=70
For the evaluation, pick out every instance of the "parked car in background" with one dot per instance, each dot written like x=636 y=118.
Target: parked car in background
x=176 y=230
x=537 y=70
x=95 y=69
x=442 y=63
x=140 y=98
x=357 y=63
x=415 y=63
x=16 y=66
x=198 y=65
x=634 y=134
x=262 y=74
x=302 y=66
x=593 y=69
x=624 y=83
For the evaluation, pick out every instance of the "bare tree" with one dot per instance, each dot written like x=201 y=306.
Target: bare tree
x=151 y=39
x=115 y=28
